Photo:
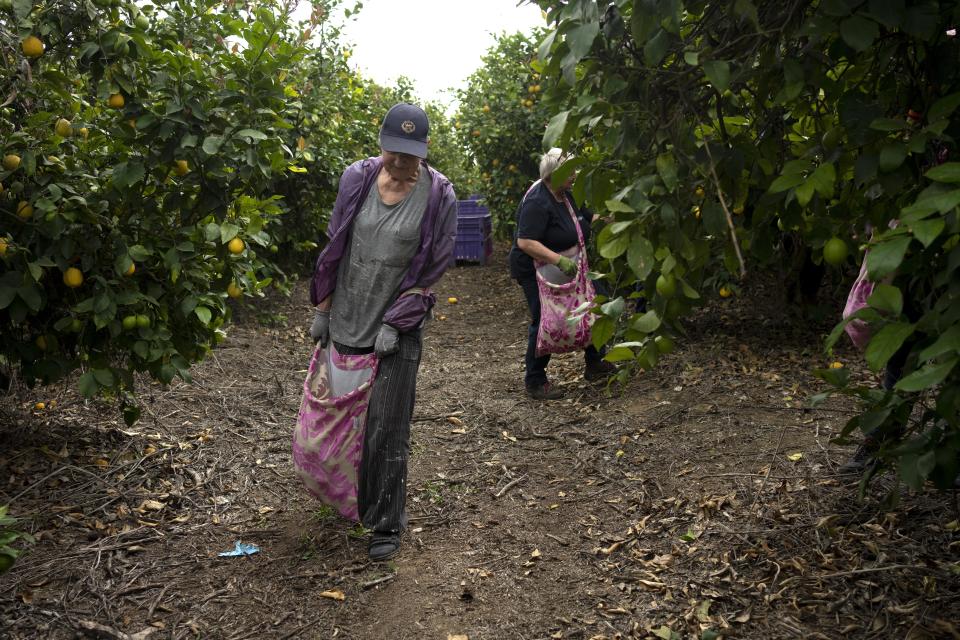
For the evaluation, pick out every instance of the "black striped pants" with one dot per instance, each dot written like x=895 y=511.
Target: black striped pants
x=382 y=481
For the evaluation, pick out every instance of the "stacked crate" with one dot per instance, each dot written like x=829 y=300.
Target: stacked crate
x=474 y=231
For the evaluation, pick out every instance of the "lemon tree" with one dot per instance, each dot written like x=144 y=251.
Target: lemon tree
x=717 y=134
x=500 y=123
x=142 y=179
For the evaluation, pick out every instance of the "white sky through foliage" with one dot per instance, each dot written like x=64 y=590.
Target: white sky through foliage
x=435 y=43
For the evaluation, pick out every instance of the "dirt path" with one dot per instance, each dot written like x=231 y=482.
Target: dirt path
x=670 y=509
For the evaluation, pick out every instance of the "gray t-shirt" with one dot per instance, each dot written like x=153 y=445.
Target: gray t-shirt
x=383 y=240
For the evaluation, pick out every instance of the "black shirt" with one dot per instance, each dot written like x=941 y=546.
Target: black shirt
x=540 y=217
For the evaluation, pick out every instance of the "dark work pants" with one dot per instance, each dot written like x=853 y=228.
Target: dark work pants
x=536 y=374
x=382 y=481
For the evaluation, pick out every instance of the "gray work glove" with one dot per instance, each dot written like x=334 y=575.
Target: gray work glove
x=320 y=329
x=388 y=341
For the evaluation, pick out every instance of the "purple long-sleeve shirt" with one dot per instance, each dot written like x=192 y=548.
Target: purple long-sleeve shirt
x=438 y=235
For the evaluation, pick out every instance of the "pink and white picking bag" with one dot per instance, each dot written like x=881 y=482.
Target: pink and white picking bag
x=328 y=438
x=565 y=318
x=858 y=330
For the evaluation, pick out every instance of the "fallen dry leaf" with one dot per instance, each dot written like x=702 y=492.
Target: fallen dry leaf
x=151 y=505
x=455 y=421
x=333 y=595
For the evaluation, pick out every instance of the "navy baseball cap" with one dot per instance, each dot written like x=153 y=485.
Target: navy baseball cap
x=405 y=130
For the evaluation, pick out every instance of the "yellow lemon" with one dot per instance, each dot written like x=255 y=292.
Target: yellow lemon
x=63 y=128
x=699 y=192
x=11 y=161
x=40 y=406
x=116 y=101
x=836 y=365
x=24 y=210
x=73 y=277
x=84 y=132
x=725 y=292
x=32 y=47
x=3 y=247
x=486 y=108
x=236 y=246
x=452 y=300
x=130 y=270
x=234 y=291
x=181 y=167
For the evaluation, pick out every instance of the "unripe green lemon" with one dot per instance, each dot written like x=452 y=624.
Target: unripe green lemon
x=666 y=285
x=835 y=251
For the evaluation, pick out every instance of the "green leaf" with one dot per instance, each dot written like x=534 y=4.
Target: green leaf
x=930 y=375
x=580 y=39
x=926 y=231
x=126 y=174
x=616 y=206
x=555 y=128
x=941 y=203
x=887 y=342
x=252 y=134
x=602 y=330
x=203 y=314
x=718 y=73
x=104 y=377
x=88 y=385
x=646 y=323
x=786 y=181
x=640 y=255
x=619 y=354
x=892 y=156
x=949 y=341
x=885 y=257
x=804 y=193
x=613 y=308
x=212 y=144
x=859 y=32
x=823 y=179
x=887 y=298
x=944 y=107
x=948 y=172
x=644 y=20
x=667 y=168
x=656 y=48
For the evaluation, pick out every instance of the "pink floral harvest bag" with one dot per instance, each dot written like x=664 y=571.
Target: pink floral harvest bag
x=565 y=319
x=328 y=438
x=858 y=330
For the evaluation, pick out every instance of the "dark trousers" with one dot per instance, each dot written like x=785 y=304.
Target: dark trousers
x=382 y=481
x=536 y=374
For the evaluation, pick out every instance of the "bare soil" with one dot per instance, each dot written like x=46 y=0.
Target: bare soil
x=700 y=499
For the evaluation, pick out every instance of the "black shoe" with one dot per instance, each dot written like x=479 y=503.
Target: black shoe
x=383 y=546
x=862 y=458
x=598 y=370
x=545 y=391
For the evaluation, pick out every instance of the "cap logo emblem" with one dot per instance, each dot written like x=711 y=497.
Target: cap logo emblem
x=408 y=126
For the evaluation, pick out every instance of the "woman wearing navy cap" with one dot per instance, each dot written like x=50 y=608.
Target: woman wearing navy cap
x=392 y=233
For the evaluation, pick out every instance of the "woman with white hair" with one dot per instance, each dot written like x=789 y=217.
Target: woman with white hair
x=546 y=233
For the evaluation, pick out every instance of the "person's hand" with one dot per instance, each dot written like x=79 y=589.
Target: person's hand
x=567 y=265
x=320 y=329
x=388 y=341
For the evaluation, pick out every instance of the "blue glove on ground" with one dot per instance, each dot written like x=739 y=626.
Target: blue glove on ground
x=388 y=341
x=320 y=329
